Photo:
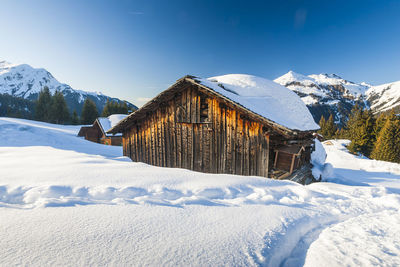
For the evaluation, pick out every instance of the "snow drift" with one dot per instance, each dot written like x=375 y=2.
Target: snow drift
x=68 y=201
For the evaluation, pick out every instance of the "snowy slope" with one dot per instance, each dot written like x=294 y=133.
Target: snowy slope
x=384 y=97
x=265 y=98
x=26 y=82
x=67 y=201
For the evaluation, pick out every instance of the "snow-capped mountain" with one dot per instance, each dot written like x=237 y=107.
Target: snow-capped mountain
x=326 y=94
x=26 y=82
x=383 y=98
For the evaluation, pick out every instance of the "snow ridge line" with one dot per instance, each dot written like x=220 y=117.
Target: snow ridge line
x=292 y=195
x=63 y=195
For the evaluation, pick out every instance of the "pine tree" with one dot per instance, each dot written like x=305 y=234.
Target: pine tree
x=42 y=108
x=106 y=110
x=352 y=123
x=74 y=118
x=58 y=110
x=368 y=126
x=387 y=146
x=322 y=124
x=380 y=122
x=89 y=112
x=123 y=108
x=113 y=107
x=338 y=134
x=360 y=131
x=328 y=128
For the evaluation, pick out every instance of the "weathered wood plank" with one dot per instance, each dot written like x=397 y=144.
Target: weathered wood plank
x=196 y=148
x=212 y=136
x=228 y=129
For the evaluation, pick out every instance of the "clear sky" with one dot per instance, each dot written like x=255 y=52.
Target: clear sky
x=135 y=49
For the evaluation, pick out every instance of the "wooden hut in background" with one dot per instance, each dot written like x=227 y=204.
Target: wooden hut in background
x=193 y=126
x=98 y=131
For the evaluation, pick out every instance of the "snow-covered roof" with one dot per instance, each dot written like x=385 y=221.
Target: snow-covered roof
x=273 y=103
x=265 y=98
x=111 y=121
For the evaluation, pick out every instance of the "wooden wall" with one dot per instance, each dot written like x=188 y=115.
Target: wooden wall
x=111 y=140
x=92 y=133
x=198 y=132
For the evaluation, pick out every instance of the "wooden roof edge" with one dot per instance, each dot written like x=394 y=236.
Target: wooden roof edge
x=118 y=126
x=101 y=126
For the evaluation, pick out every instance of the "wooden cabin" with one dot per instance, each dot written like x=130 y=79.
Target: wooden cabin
x=201 y=125
x=98 y=131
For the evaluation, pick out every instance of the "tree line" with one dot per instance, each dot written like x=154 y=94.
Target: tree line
x=54 y=109
x=376 y=137
x=17 y=107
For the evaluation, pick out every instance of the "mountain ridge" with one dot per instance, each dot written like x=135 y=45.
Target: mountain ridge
x=24 y=81
x=326 y=94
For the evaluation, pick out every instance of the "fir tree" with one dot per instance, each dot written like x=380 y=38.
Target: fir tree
x=328 y=128
x=58 y=110
x=106 y=110
x=359 y=129
x=113 y=107
x=338 y=134
x=380 y=122
x=74 y=118
x=124 y=108
x=352 y=123
x=387 y=146
x=42 y=108
x=322 y=123
x=89 y=112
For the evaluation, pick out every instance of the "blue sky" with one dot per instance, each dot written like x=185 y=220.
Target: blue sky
x=135 y=49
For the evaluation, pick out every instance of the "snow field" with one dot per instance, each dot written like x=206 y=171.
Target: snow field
x=66 y=201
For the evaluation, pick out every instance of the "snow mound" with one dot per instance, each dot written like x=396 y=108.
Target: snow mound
x=111 y=121
x=264 y=97
x=318 y=157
